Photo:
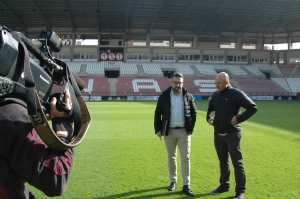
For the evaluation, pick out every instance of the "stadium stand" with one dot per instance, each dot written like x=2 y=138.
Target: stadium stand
x=74 y=66
x=134 y=86
x=297 y=73
x=286 y=69
x=128 y=68
x=260 y=86
x=294 y=84
x=185 y=69
x=98 y=68
x=98 y=85
x=95 y=68
x=112 y=65
x=273 y=68
x=249 y=78
x=290 y=84
x=256 y=69
x=235 y=70
x=200 y=86
x=207 y=70
x=152 y=69
x=283 y=83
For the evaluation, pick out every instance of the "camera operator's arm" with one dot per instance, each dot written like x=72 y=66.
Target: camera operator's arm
x=24 y=157
x=61 y=124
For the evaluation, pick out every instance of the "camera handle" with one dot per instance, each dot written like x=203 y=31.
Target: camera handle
x=29 y=82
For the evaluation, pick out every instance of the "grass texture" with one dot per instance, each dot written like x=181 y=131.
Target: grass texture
x=121 y=157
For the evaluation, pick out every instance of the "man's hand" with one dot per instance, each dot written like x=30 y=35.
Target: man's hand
x=159 y=135
x=54 y=112
x=210 y=121
x=234 y=121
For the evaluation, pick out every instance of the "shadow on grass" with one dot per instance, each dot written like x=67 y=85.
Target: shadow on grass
x=142 y=194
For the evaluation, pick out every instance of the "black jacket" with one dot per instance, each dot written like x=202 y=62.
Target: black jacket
x=163 y=111
x=225 y=105
x=25 y=158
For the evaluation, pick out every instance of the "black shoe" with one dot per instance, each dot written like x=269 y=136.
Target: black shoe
x=220 y=189
x=172 y=186
x=187 y=190
x=239 y=195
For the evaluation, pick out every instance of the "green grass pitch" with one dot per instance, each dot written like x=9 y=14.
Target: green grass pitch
x=122 y=158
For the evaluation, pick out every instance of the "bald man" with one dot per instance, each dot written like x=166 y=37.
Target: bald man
x=224 y=114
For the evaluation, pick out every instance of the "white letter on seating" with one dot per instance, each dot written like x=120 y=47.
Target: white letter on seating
x=137 y=86
x=90 y=86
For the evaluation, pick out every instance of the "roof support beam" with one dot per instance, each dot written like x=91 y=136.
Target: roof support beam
x=69 y=14
x=98 y=15
x=156 y=13
x=126 y=17
x=21 y=25
x=42 y=16
x=186 y=13
x=209 y=18
x=273 y=25
x=240 y=18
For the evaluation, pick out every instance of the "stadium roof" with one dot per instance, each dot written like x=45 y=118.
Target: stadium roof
x=137 y=18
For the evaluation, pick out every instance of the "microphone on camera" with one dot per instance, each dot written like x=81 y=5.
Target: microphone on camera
x=80 y=82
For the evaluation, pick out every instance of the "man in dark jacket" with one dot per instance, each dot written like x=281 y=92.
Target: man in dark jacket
x=175 y=117
x=224 y=113
x=25 y=158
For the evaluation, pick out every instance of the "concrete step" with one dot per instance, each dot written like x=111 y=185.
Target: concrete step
x=294 y=71
x=236 y=84
x=196 y=71
x=112 y=85
x=141 y=71
x=82 y=71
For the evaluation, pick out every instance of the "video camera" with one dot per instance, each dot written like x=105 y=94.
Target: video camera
x=12 y=81
x=24 y=80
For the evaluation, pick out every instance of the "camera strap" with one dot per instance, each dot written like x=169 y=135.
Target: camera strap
x=74 y=93
x=29 y=82
x=49 y=137
x=81 y=115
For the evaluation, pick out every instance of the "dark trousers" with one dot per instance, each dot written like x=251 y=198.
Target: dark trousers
x=230 y=144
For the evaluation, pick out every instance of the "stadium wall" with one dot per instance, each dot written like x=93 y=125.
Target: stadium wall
x=280 y=57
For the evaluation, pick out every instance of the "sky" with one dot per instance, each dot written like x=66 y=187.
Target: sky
x=276 y=46
x=283 y=46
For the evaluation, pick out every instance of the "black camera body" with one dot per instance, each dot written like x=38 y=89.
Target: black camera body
x=27 y=82
x=12 y=81
x=50 y=39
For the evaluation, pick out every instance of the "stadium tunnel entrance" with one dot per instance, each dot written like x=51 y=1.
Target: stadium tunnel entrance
x=168 y=73
x=112 y=73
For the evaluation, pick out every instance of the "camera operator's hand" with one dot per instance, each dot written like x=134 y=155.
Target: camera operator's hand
x=54 y=112
x=62 y=127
